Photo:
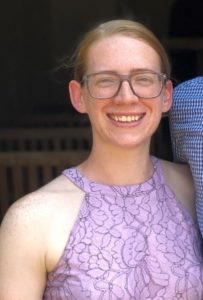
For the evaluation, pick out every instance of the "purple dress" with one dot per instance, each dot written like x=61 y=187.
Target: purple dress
x=129 y=242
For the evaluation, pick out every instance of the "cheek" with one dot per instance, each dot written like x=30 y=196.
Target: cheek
x=94 y=105
x=96 y=110
x=92 y=110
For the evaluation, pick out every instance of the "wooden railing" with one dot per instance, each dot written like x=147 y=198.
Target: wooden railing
x=30 y=157
x=45 y=139
x=24 y=172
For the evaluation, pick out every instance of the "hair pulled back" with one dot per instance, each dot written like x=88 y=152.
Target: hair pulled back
x=127 y=28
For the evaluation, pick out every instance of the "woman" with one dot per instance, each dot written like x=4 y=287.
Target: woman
x=121 y=225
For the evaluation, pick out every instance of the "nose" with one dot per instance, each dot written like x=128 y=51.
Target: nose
x=125 y=94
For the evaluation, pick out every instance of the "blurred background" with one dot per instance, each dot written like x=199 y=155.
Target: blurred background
x=36 y=35
x=35 y=109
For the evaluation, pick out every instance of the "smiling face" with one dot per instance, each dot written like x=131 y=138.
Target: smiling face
x=124 y=120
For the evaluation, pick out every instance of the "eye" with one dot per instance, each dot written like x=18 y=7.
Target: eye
x=143 y=79
x=105 y=80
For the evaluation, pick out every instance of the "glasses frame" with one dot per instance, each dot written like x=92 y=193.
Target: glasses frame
x=162 y=77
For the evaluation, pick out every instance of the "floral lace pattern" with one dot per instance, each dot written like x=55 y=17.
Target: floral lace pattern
x=129 y=242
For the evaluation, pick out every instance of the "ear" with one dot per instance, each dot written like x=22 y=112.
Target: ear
x=167 y=96
x=76 y=96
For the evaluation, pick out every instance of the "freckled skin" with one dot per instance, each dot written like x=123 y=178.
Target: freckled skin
x=102 y=57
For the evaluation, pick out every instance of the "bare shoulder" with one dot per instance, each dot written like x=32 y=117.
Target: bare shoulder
x=32 y=238
x=43 y=219
x=35 y=205
x=43 y=201
x=179 y=178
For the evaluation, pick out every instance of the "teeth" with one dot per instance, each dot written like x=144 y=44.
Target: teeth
x=137 y=118
x=127 y=118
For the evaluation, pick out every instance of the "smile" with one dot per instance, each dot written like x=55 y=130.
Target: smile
x=127 y=118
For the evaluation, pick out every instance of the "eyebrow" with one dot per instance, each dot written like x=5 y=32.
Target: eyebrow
x=139 y=70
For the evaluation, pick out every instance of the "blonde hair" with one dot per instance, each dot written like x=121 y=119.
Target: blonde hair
x=122 y=27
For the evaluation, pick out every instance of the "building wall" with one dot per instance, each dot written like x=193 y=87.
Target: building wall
x=37 y=34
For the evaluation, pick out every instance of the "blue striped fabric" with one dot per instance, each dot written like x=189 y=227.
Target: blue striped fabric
x=186 y=126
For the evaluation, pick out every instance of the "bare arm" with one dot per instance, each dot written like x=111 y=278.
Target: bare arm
x=33 y=236
x=22 y=261
x=179 y=178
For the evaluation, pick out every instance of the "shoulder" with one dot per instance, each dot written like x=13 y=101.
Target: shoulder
x=37 y=205
x=46 y=200
x=43 y=218
x=179 y=178
x=180 y=171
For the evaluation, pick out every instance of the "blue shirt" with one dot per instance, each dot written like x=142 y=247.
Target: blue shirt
x=186 y=126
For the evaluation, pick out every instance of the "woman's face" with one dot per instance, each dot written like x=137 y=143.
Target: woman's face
x=123 y=120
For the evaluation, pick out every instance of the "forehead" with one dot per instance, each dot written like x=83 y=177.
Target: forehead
x=121 y=53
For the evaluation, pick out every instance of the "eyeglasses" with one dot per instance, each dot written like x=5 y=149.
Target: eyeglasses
x=104 y=85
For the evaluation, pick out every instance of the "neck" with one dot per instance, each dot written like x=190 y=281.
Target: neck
x=118 y=166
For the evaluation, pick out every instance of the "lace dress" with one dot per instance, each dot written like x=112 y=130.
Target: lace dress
x=129 y=242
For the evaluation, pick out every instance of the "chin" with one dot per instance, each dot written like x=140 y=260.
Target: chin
x=129 y=145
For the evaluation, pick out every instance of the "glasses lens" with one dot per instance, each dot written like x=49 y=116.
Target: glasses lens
x=147 y=85
x=103 y=85
x=106 y=85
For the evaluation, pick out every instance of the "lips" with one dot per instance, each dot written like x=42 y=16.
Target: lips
x=127 y=118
